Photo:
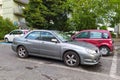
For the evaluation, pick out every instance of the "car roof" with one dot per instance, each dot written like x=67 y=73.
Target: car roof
x=20 y=30
x=97 y=30
x=44 y=30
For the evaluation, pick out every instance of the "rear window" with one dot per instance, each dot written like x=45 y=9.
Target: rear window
x=105 y=35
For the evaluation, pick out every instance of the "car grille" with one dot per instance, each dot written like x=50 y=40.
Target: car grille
x=97 y=59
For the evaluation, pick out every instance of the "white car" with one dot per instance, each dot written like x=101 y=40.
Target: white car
x=15 y=33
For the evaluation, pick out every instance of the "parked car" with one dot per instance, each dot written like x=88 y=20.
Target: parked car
x=15 y=33
x=55 y=44
x=101 y=38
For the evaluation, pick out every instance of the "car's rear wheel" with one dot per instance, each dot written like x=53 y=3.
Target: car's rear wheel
x=104 y=50
x=6 y=40
x=71 y=59
x=22 y=52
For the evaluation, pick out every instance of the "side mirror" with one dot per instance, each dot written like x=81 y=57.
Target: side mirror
x=73 y=37
x=10 y=34
x=54 y=40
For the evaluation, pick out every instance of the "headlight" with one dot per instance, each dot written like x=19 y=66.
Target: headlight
x=91 y=51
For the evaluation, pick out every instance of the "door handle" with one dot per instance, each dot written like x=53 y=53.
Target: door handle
x=99 y=41
x=26 y=40
x=43 y=42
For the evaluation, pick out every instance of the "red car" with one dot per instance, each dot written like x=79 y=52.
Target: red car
x=101 y=38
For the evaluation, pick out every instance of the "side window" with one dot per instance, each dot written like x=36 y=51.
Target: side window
x=34 y=35
x=16 y=32
x=82 y=35
x=95 y=35
x=105 y=36
x=19 y=32
x=46 y=36
x=13 y=32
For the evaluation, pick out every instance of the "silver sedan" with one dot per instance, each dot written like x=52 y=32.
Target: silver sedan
x=57 y=45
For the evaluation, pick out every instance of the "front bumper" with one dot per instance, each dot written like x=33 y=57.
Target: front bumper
x=93 y=60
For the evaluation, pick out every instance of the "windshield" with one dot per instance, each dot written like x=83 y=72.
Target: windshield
x=63 y=36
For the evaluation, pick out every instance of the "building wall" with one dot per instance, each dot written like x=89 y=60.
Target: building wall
x=7 y=10
x=0 y=7
x=9 y=7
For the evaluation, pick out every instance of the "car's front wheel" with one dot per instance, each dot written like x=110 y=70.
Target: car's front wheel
x=6 y=40
x=71 y=59
x=22 y=52
x=104 y=50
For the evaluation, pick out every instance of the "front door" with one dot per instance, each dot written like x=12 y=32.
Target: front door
x=82 y=36
x=47 y=47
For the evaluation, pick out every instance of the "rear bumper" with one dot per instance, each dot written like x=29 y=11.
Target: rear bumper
x=112 y=49
x=14 y=47
x=111 y=52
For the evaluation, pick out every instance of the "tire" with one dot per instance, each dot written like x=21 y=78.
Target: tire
x=71 y=59
x=6 y=40
x=22 y=52
x=104 y=50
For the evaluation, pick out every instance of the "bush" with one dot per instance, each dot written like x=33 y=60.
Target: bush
x=5 y=27
x=103 y=27
x=113 y=34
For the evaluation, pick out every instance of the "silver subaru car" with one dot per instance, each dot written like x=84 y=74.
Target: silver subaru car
x=57 y=45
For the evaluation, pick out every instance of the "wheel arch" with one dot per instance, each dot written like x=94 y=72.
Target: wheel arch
x=25 y=53
x=104 y=46
x=19 y=46
x=108 y=49
x=72 y=51
x=6 y=38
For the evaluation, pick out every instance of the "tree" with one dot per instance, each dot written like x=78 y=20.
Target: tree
x=86 y=14
x=103 y=27
x=116 y=9
x=47 y=14
x=72 y=14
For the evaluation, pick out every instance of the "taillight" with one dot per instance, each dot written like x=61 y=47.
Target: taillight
x=111 y=42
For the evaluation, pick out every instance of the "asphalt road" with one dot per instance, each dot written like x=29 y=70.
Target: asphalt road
x=37 y=68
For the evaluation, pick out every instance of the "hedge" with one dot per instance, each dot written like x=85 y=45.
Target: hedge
x=5 y=27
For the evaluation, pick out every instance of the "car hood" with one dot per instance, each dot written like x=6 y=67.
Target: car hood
x=83 y=44
x=6 y=35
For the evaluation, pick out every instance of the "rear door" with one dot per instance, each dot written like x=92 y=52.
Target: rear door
x=96 y=38
x=32 y=42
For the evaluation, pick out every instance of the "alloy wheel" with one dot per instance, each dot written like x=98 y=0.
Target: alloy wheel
x=104 y=50
x=22 y=52
x=6 y=40
x=71 y=59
